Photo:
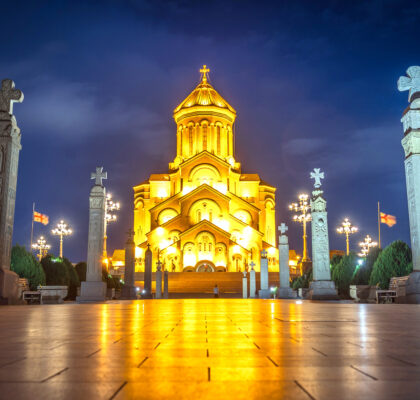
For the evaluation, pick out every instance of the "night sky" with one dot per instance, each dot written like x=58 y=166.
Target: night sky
x=313 y=84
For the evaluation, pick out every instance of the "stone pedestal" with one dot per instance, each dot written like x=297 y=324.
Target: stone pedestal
x=147 y=294
x=322 y=287
x=9 y=159
x=264 y=292
x=94 y=289
x=244 y=286
x=252 y=285
x=129 y=289
x=158 y=281
x=411 y=145
x=165 y=284
x=285 y=291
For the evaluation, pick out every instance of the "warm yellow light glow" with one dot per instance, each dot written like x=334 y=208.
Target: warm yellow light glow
x=162 y=193
x=171 y=250
x=139 y=252
x=160 y=231
x=236 y=249
x=248 y=232
x=186 y=190
x=271 y=251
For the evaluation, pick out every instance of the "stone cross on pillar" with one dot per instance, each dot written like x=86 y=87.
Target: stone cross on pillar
x=322 y=287
x=411 y=145
x=244 y=286
x=9 y=160
x=158 y=280
x=165 y=284
x=98 y=176
x=264 y=292
x=94 y=289
x=148 y=273
x=129 y=289
x=285 y=291
x=252 y=285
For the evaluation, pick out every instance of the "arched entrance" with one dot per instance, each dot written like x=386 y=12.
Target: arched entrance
x=205 y=266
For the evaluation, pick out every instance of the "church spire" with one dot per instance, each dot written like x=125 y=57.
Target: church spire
x=204 y=71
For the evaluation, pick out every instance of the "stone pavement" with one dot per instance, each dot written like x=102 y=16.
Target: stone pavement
x=210 y=349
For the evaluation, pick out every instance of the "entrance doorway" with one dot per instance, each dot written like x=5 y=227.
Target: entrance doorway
x=205 y=266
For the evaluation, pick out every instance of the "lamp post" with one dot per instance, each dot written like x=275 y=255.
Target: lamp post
x=61 y=230
x=303 y=208
x=366 y=245
x=347 y=229
x=42 y=246
x=110 y=216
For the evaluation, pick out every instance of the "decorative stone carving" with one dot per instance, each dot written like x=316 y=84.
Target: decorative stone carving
x=94 y=289
x=129 y=290
x=285 y=291
x=264 y=292
x=252 y=285
x=321 y=287
x=9 y=160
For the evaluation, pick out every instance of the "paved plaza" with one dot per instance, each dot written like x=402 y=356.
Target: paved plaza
x=210 y=349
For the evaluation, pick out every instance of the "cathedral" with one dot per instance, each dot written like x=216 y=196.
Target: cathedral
x=204 y=215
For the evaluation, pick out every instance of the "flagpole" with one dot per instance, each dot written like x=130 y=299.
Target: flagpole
x=379 y=226
x=32 y=229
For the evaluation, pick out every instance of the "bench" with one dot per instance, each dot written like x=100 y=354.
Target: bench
x=31 y=296
x=385 y=296
x=396 y=292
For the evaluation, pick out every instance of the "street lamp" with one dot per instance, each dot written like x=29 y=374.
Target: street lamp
x=110 y=208
x=42 y=246
x=303 y=208
x=61 y=230
x=366 y=245
x=347 y=229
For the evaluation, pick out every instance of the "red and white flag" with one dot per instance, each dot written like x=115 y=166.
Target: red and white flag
x=38 y=217
x=390 y=220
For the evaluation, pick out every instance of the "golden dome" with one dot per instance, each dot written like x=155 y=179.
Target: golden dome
x=206 y=99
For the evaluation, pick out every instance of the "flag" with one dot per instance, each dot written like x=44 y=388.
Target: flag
x=38 y=217
x=390 y=220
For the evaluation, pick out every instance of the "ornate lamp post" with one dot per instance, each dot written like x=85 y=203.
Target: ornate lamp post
x=61 y=230
x=366 y=245
x=42 y=246
x=110 y=216
x=303 y=208
x=347 y=229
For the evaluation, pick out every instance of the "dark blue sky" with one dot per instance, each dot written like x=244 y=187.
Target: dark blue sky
x=313 y=83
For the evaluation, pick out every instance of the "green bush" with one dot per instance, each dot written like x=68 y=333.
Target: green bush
x=27 y=266
x=56 y=272
x=394 y=260
x=363 y=272
x=302 y=281
x=81 y=269
x=74 y=282
x=106 y=277
x=342 y=274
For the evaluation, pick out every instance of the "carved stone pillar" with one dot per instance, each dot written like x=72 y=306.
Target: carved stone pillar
x=285 y=291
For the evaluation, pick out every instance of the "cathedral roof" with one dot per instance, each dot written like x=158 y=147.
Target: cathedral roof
x=204 y=96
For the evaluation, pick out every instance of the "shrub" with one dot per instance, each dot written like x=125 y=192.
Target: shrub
x=81 y=269
x=394 y=260
x=302 y=281
x=73 y=282
x=343 y=273
x=363 y=272
x=27 y=266
x=56 y=272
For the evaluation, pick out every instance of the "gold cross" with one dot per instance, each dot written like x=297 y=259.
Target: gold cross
x=204 y=71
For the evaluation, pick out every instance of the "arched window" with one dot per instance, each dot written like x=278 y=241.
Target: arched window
x=218 y=140
x=190 y=139
x=205 y=137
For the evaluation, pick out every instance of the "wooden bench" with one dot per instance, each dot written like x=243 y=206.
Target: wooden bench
x=385 y=296
x=396 y=292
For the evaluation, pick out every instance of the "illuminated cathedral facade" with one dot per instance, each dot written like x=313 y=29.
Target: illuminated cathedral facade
x=204 y=215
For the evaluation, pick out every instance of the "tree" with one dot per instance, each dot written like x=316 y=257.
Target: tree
x=81 y=269
x=343 y=273
x=363 y=271
x=55 y=271
x=27 y=266
x=73 y=282
x=302 y=281
x=394 y=260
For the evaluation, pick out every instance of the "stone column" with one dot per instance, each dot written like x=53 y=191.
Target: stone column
x=165 y=284
x=147 y=274
x=322 y=287
x=252 y=285
x=411 y=145
x=264 y=292
x=244 y=286
x=129 y=288
x=94 y=289
x=158 y=280
x=285 y=291
x=9 y=159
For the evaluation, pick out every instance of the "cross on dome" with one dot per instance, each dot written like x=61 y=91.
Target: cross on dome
x=283 y=228
x=317 y=175
x=98 y=176
x=411 y=82
x=204 y=71
x=252 y=264
x=9 y=95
